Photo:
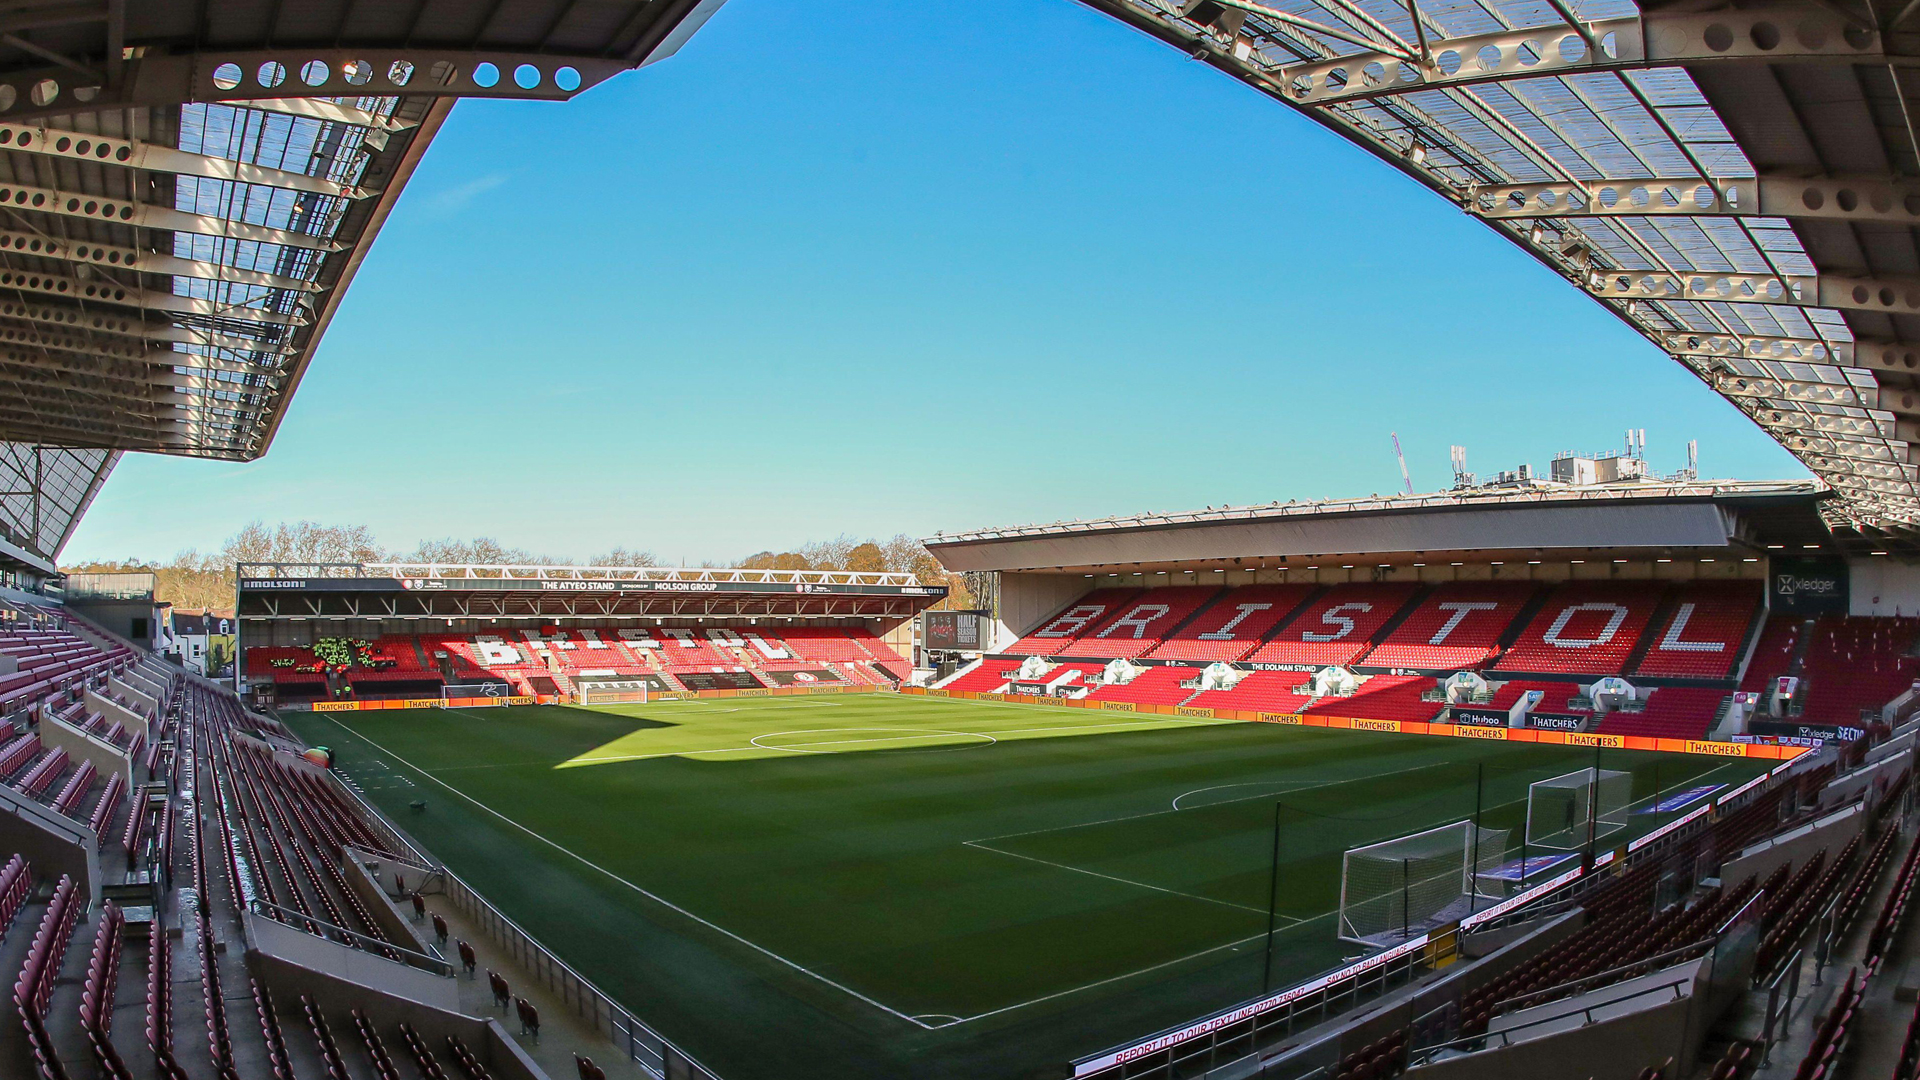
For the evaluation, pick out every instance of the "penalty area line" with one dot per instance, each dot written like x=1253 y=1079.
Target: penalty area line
x=655 y=897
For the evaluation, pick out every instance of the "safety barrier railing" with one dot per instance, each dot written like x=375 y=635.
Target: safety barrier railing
x=1503 y=1037
x=645 y=1046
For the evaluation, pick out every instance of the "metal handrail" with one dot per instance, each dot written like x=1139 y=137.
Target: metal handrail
x=438 y=964
x=1506 y=1034
x=1614 y=974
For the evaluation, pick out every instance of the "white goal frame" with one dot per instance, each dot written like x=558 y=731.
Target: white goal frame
x=1418 y=881
x=473 y=695
x=1566 y=812
x=603 y=694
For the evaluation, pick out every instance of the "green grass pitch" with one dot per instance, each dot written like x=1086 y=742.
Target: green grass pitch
x=873 y=886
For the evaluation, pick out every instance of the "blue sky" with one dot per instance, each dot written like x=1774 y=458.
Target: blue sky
x=899 y=267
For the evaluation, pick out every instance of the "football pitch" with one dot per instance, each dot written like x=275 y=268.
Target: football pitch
x=876 y=886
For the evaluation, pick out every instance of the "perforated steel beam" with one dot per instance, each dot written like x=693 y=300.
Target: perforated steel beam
x=112 y=257
x=100 y=291
x=1788 y=32
x=154 y=78
x=134 y=154
x=1890 y=295
x=23 y=197
x=1852 y=198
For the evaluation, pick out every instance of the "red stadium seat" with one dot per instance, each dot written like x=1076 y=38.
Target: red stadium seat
x=1585 y=628
x=1233 y=625
x=1337 y=628
x=1457 y=627
x=1076 y=620
x=1139 y=624
x=1703 y=631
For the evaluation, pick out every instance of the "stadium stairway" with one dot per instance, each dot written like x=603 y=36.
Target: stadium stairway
x=562 y=1033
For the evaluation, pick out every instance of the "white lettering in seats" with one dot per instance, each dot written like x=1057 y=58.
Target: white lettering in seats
x=1461 y=609
x=1615 y=616
x=1072 y=621
x=1333 y=617
x=1672 y=638
x=1138 y=619
x=1225 y=633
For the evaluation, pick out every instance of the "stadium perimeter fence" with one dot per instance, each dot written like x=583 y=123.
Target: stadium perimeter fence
x=1241 y=1031
x=642 y=1045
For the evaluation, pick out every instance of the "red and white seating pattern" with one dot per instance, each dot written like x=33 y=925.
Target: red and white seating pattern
x=1081 y=618
x=1457 y=627
x=1233 y=625
x=527 y=657
x=1703 y=631
x=1584 y=628
x=1138 y=625
x=1336 y=628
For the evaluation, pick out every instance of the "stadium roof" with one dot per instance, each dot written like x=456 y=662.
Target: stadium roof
x=186 y=190
x=535 y=591
x=1738 y=519
x=1738 y=184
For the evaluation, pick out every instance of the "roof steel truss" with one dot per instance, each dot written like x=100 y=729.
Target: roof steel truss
x=1585 y=140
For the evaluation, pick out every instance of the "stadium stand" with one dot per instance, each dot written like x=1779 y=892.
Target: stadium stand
x=1456 y=627
x=1384 y=697
x=1673 y=712
x=551 y=659
x=1556 y=697
x=1266 y=691
x=1584 y=628
x=1233 y=625
x=1773 y=654
x=1336 y=627
x=1138 y=625
x=1153 y=686
x=1078 y=619
x=1854 y=664
x=1702 y=631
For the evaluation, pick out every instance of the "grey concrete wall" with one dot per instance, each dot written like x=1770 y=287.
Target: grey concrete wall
x=1796 y=849
x=106 y=757
x=113 y=711
x=287 y=978
x=140 y=693
x=54 y=845
x=1026 y=599
x=395 y=926
x=1610 y=1050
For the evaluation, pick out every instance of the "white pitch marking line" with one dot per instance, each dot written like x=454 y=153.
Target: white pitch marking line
x=1124 y=881
x=1223 y=802
x=608 y=759
x=1289 y=785
x=655 y=897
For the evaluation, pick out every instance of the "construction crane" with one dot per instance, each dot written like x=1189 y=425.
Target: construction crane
x=1405 y=479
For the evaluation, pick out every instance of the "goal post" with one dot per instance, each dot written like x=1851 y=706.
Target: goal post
x=615 y=693
x=1397 y=888
x=473 y=695
x=1565 y=812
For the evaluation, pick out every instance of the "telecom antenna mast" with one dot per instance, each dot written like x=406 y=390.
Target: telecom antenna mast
x=1405 y=478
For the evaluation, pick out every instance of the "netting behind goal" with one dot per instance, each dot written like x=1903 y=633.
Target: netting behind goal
x=1398 y=888
x=1558 y=809
x=473 y=695
x=613 y=693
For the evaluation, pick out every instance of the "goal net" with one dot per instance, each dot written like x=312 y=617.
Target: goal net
x=1397 y=888
x=472 y=695
x=1564 y=812
x=614 y=693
